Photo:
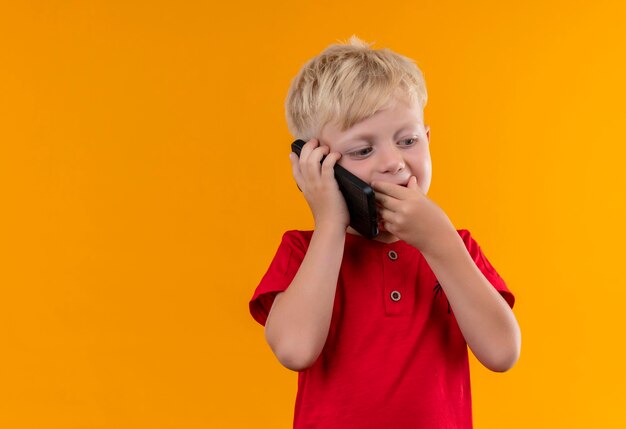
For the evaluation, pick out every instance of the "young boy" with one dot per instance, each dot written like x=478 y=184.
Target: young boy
x=378 y=329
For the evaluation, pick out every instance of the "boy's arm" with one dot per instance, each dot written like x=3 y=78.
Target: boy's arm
x=298 y=323
x=484 y=317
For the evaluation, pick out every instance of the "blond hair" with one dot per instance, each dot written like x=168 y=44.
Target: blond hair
x=347 y=83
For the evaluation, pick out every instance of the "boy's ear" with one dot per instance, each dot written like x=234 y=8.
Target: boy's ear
x=428 y=132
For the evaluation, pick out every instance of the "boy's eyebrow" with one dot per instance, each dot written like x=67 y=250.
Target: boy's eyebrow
x=370 y=136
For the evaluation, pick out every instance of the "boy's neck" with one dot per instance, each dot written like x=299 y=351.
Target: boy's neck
x=383 y=236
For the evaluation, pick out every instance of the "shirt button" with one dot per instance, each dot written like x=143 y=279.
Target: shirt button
x=395 y=295
x=392 y=255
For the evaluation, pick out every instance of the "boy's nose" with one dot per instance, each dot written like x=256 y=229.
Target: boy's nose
x=391 y=160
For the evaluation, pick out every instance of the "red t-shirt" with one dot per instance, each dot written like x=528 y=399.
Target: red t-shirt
x=395 y=356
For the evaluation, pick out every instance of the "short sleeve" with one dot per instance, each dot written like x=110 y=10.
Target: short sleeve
x=485 y=267
x=279 y=275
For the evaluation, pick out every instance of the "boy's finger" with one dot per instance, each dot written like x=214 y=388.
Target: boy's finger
x=389 y=189
x=313 y=163
x=383 y=197
x=315 y=158
x=328 y=166
x=387 y=202
x=382 y=212
x=295 y=169
x=413 y=183
x=307 y=149
x=308 y=167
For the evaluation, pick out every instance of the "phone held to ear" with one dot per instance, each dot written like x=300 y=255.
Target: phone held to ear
x=359 y=197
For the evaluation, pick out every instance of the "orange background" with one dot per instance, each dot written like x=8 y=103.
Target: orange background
x=145 y=186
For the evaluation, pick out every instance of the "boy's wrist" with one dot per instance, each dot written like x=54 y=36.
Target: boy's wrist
x=443 y=245
x=330 y=228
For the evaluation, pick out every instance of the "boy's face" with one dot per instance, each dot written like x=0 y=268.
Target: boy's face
x=390 y=146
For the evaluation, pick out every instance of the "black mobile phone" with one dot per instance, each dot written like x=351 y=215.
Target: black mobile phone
x=359 y=197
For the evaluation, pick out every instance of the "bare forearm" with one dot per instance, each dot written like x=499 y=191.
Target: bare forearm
x=484 y=317
x=298 y=323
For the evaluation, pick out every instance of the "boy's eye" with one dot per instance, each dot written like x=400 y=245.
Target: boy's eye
x=410 y=141
x=362 y=152
x=366 y=151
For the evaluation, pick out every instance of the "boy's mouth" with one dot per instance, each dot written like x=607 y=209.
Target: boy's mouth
x=404 y=184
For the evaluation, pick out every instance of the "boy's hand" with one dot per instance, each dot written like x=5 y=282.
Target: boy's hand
x=319 y=186
x=410 y=215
